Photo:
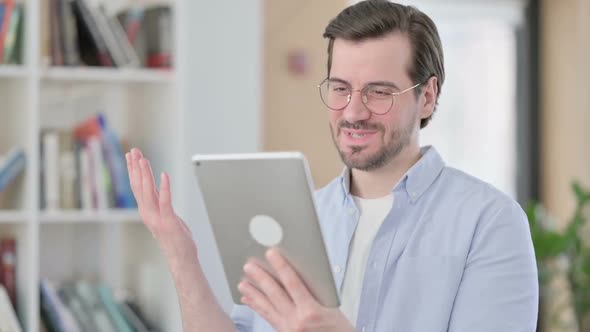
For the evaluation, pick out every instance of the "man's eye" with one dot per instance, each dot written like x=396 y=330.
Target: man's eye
x=339 y=89
x=380 y=92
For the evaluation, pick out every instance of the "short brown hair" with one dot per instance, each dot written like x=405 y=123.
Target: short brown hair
x=376 y=18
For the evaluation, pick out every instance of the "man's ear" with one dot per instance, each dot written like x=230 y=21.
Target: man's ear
x=430 y=92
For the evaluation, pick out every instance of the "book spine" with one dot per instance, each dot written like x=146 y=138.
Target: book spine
x=85 y=179
x=57 y=58
x=8 y=267
x=103 y=54
x=12 y=167
x=69 y=34
x=100 y=182
x=9 y=321
x=111 y=307
x=8 y=6
x=51 y=174
x=116 y=161
x=12 y=34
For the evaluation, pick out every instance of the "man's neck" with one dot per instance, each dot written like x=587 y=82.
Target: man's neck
x=378 y=183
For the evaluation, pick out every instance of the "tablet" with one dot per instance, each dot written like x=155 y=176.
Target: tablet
x=260 y=200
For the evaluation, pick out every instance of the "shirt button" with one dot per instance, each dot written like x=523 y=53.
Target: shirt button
x=337 y=268
x=374 y=264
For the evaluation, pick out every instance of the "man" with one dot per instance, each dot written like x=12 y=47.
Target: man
x=415 y=245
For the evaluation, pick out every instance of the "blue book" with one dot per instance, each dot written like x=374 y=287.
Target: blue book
x=11 y=166
x=2 y=10
x=116 y=160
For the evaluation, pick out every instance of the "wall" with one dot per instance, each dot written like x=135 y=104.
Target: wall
x=294 y=117
x=565 y=46
x=222 y=51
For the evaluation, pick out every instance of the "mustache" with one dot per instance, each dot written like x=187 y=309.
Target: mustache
x=360 y=125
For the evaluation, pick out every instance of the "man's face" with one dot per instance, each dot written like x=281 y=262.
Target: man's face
x=368 y=141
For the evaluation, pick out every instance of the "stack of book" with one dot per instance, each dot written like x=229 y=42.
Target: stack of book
x=11 y=32
x=84 y=306
x=84 y=168
x=82 y=34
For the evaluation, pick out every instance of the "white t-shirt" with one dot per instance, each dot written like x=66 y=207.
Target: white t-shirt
x=372 y=214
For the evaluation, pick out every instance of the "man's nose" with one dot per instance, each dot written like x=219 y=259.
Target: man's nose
x=356 y=110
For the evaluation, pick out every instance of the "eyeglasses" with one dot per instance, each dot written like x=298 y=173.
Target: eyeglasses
x=378 y=98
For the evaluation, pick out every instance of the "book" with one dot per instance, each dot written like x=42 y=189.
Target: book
x=85 y=178
x=131 y=22
x=131 y=318
x=11 y=166
x=92 y=46
x=108 y=35
x=116 y=161
x=78 y=308
x=100 y=181
x=8 y=320
x=69 y=34
x=96 y=127
x=55 y=26
x=50 y=170
x=131 y=58
x=68 y=193
x=8 y=267
x=89 y=296
x=13 y=39
x=158 y=29
x=6 y=13
x=54 y=312
x=112 y=309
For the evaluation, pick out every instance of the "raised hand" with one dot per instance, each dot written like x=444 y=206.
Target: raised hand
x=157 y=213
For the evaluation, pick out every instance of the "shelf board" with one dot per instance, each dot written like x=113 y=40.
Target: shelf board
x=107 y=75
x=13 y=71
x=90 y=216
x=12 y=216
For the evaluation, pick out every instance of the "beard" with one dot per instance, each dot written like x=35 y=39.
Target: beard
x=399 y=138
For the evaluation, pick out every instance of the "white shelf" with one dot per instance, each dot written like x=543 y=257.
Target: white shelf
x=13 y=71
x=12 y=216
x=107 y=75
x=91 y=216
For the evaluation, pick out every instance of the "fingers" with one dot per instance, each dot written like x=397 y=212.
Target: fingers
x=165 y=201
x=259 y=302
x=135 y=174
x=270 y=287
x=149 y=194
x=289 y=278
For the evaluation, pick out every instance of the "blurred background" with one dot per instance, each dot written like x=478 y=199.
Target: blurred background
x=82 y=81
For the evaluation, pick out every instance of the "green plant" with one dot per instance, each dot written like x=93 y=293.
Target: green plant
x=550 y=243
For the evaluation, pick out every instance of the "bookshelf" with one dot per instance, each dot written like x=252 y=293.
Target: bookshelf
x=112 y=245
x=89 y=217
x=13 y=71
x=107 y=75
x=12 y=216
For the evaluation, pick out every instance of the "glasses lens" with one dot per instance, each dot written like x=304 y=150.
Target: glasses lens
x=335 y=94
x=379 y=99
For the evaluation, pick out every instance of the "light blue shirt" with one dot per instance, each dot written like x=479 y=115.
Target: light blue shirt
x=454 y=254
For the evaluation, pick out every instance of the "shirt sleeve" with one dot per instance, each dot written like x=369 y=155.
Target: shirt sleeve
x=499 y=290
x=243 y=318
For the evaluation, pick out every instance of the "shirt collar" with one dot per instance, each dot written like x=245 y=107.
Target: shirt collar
x=416 y=180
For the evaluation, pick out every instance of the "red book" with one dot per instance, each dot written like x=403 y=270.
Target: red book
x=88 y=128
x=8 y=267
x=9 y=5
